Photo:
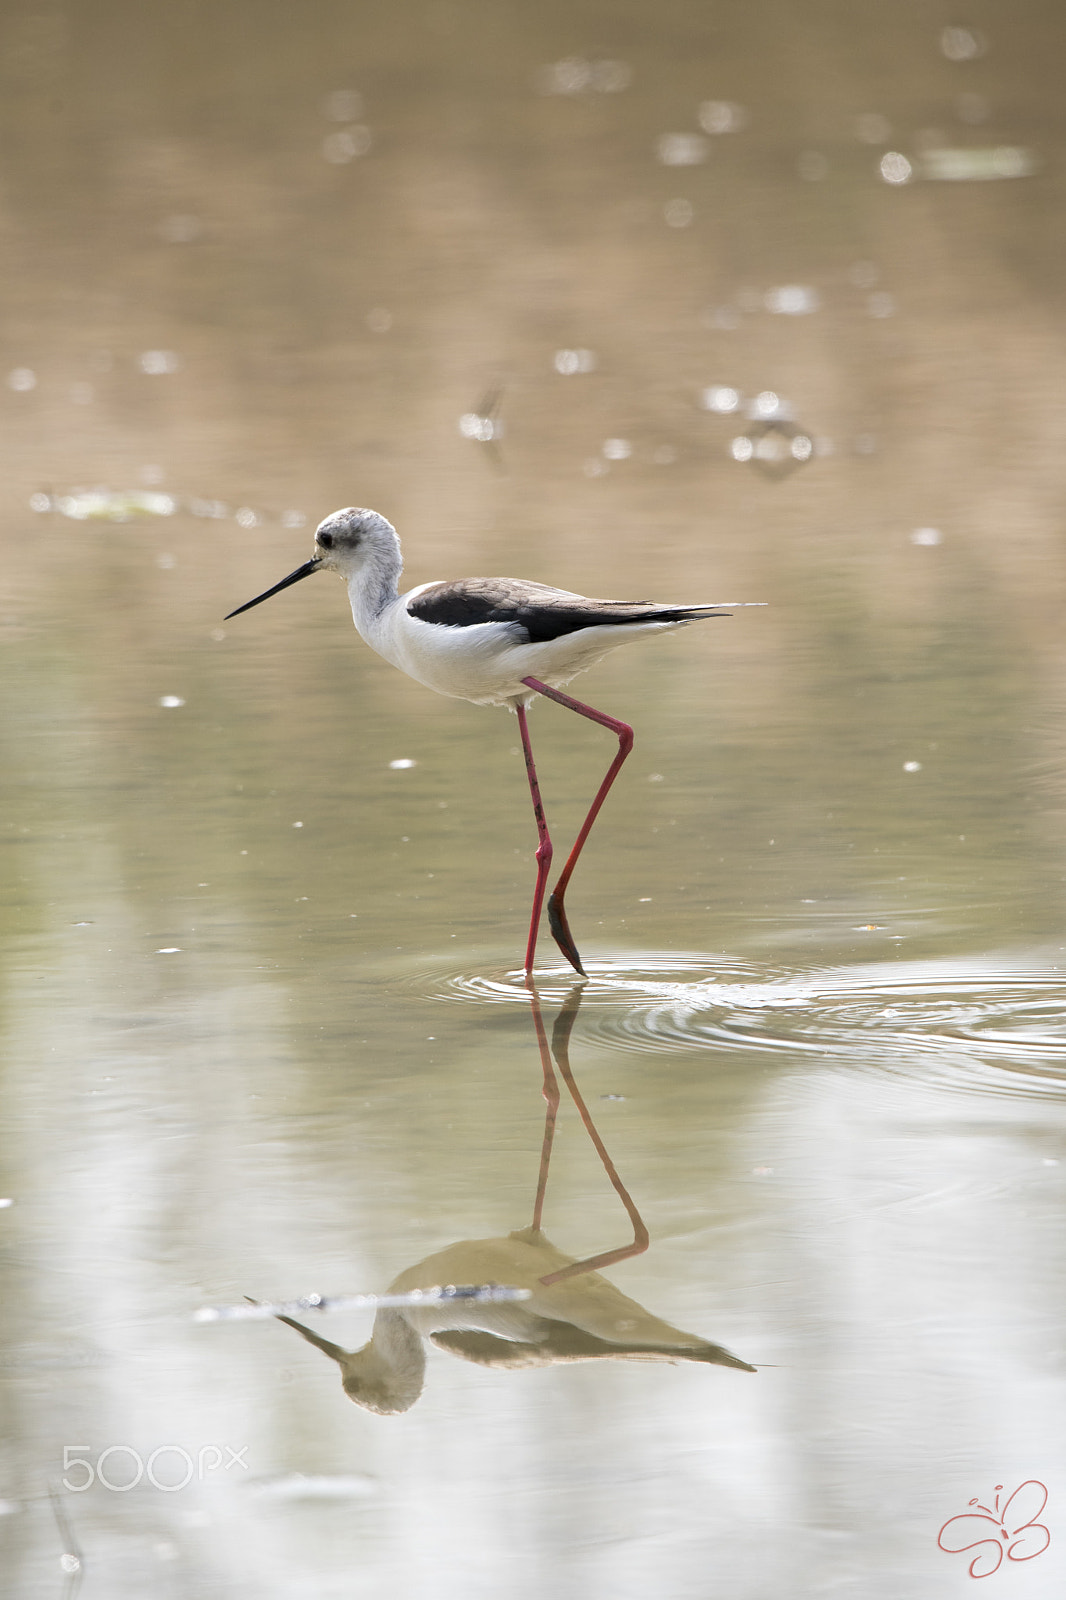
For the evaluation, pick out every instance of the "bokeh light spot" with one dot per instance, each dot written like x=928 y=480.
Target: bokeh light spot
x=347 y=144
x=722 y=116
x=721 y=398
x=895 y=168
x=569 y=362
x=678 y=213
x=157 y=363
x=681 y=149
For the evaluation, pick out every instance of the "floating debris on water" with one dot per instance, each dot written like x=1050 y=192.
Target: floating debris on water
x=476 y=425
x=774 y=443
x=484 y=425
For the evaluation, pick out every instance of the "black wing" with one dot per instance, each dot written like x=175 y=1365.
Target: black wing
x=543 y=613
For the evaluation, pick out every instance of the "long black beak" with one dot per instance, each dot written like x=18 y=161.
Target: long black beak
x=294 y=577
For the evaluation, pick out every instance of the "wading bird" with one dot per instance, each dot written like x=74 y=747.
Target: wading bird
x=495 y=641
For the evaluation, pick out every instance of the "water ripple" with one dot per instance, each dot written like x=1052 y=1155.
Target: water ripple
x=995 y=1022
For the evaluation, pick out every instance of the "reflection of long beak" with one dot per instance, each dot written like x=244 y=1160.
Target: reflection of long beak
x=294 y=577
x=334 y=1351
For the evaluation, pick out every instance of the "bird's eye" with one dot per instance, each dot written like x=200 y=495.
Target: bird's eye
x=326 y=541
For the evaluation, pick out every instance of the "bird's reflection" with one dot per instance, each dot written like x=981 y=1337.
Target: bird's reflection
x=573 y=1313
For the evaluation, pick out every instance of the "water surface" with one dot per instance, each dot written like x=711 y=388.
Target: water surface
x=265 y=899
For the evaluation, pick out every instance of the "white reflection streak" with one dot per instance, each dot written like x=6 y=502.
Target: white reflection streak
x=259 y=1311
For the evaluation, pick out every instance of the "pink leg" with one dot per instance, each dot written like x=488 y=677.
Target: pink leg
x=544 y=848
x=560 y=928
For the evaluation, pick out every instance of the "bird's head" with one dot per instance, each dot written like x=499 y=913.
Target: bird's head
x=347 y=539
x=387 y=1393
x=345 y=542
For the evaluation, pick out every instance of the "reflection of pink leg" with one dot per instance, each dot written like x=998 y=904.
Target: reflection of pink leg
x=560 y=1045
x=551 y=1100
x=556 y=914
x=544 y=848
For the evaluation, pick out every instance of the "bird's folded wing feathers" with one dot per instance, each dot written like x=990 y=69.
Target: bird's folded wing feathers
x=544 y=613
x=563 y=1342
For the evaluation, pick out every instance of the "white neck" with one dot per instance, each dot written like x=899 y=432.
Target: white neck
x=375 y=584
x=389 y=1370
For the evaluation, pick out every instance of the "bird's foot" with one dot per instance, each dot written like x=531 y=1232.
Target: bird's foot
x=560 y=932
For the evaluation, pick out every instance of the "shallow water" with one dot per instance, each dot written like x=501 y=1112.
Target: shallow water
x=264 y=1028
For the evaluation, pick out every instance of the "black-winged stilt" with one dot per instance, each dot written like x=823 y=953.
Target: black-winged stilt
x=495 y=641
x=535 y=1306
x=584 y=1318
